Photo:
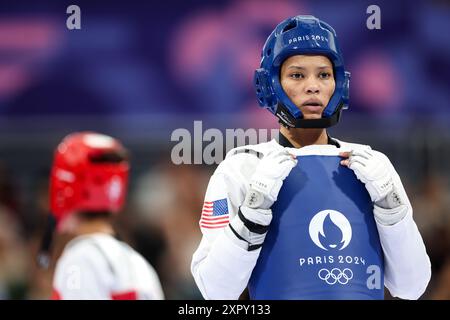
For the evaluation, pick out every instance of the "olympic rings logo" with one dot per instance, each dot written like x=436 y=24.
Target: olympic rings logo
x=335 y=275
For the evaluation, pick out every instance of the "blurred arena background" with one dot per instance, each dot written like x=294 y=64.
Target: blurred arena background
x=139 y=70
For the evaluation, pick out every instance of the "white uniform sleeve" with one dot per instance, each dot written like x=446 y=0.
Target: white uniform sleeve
x=148 y=284
x=407 y=265
x=220 y=267
x=81 y=275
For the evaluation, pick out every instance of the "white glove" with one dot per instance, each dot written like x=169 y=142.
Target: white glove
x=249 y=227
x=378 y=175
x=374 y=170
x=266 y=182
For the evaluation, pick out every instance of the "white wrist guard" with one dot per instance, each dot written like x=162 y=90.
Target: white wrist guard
x=249 y=228
x=392 y=200
x=389 y=217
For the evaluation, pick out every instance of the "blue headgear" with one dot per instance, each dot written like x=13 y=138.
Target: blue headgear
x=294 y=36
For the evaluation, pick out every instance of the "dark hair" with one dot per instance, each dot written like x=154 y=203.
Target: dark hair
x=94 y=215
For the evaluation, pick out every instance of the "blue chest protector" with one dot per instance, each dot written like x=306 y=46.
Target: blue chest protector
x=323 y=242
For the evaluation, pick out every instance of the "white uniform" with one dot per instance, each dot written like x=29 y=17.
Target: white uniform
x=99 y=267
x=222 y=269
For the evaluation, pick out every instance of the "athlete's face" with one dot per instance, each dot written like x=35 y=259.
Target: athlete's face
x=309 y=82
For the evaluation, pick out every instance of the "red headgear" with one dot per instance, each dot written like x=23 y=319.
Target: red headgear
x=89 y=174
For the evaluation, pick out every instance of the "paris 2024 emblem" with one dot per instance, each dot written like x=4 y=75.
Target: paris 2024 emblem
x=338 y=230
x=330 y=230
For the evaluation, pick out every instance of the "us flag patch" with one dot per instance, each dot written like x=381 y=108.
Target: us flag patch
x=215 y=214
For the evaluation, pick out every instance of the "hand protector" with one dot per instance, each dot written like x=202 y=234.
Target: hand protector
x=374 y=170
x=266 y=182
x=249 y=227
x=379 y=176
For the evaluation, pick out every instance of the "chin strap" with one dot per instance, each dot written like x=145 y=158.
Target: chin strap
x=288 y=121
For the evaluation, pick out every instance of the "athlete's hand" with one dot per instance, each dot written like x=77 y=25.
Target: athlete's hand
x=377 y=173
x=249 y=227
x=266 y=182
x=373 y=169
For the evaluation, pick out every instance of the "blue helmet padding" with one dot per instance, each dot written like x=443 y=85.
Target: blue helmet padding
x=294 y=36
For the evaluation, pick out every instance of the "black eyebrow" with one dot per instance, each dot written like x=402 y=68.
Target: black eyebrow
x=303 y=68
x=295 y=67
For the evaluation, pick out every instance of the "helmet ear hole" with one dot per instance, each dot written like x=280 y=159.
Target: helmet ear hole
x=289 y=26
x=269 y=51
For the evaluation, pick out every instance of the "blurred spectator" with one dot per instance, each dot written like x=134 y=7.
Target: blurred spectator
x=170 y=197
x=14 y=258
x=8 y=196
x=432 y=204
x=441 y=289
x=37 y=218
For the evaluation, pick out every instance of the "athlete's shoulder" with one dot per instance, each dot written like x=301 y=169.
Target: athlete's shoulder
x=257 y=150
x=348 y=146
x=146 y=280
x=247 y=156
x=345 y=145
x=82 y=272
x=80 y=250
x=242 y=161
x=115 y=251
x=79 y=257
